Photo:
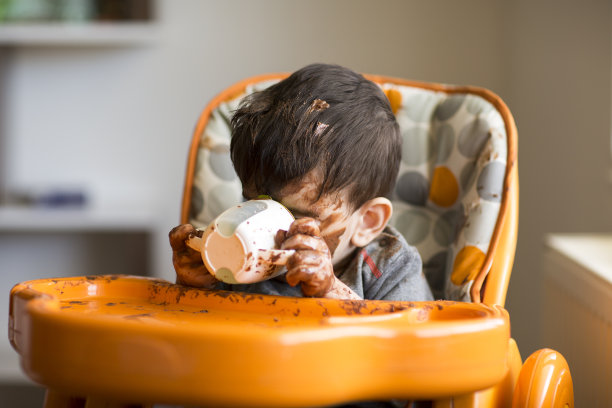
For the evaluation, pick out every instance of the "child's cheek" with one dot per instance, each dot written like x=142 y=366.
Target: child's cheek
x=330 y=220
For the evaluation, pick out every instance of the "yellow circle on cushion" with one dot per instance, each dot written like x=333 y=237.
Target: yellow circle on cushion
x=395 y=99
x=467 y=265
x=444 y=189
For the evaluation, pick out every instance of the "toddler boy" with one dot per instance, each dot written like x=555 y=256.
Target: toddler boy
x=325 y=143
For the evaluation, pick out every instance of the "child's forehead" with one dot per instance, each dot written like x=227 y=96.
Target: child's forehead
x=306 y=189
x=307 y=201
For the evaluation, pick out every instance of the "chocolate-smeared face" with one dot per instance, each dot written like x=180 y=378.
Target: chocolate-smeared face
x=333 y=214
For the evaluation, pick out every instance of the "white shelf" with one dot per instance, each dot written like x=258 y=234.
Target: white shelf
x=76 y=34
x=75 y=220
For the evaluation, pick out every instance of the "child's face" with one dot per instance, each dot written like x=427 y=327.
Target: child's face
x=332 y=213
x=336 y=220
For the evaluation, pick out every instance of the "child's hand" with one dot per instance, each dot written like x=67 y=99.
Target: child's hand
x=311 y=265
x=188 y=264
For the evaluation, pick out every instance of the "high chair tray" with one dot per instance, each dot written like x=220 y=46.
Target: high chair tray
x=116 y=336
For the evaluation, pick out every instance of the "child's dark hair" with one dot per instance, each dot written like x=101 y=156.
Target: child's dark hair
x=322 y=117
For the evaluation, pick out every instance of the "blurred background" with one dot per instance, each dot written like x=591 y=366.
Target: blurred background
x=98 y=100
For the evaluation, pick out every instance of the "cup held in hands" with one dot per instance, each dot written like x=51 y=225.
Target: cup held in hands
x=239 y=246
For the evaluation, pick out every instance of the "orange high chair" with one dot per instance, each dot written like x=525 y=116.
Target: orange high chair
x=120 y=340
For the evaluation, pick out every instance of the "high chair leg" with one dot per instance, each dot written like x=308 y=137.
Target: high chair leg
x=97 y=403
x=462 y=401
x=54 y=399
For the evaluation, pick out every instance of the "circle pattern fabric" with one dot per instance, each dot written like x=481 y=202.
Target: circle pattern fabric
x=448 y=192
x=413 y=188
x=462 y=177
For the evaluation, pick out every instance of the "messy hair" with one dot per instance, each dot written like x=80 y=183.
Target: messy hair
x=322 y=117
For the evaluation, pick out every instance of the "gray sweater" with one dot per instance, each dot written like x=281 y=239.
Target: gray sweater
x=387 y=269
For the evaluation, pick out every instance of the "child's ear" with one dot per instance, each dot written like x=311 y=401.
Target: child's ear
x=373 y=218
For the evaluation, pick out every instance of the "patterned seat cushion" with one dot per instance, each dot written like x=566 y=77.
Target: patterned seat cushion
x=449 y=188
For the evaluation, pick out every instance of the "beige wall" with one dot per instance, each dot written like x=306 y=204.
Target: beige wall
x=558 y=86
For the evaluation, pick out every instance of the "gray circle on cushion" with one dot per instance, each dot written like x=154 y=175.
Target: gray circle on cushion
x=449 y=107
x=434 y=269
x=490 y=182
x=473 y=136
x=445 y=140
x=447 y=226
x=414 y=225
x=413 y=188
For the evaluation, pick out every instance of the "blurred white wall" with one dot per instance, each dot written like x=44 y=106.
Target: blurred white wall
x=117 y=120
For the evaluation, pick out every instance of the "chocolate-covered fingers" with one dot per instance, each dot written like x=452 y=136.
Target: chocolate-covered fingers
x=313 y=271
x=306 y=226
x=188 y=265
x=305 y=242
